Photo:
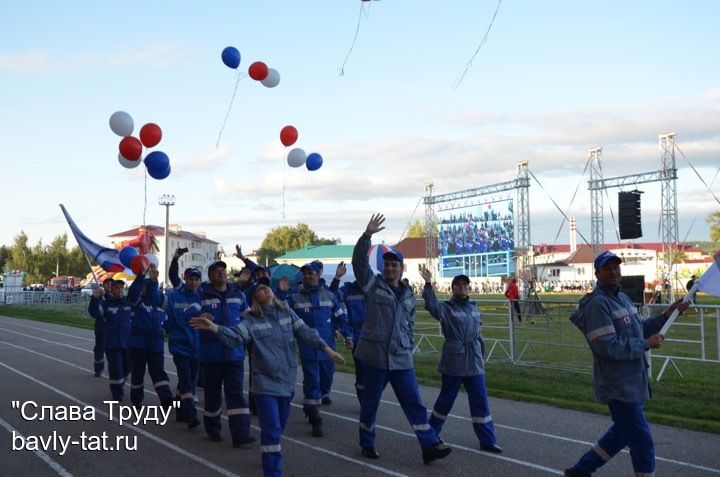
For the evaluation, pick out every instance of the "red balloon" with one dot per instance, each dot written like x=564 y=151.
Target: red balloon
x=150 y=135
x=131 y=148
x=288 y=135
x=258 y=71
x=138 y=264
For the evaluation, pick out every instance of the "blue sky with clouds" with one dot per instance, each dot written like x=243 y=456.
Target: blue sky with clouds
x=554 y=79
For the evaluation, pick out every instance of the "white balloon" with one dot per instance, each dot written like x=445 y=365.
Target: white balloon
x=127 y=163
x=296 y=157
x=153 y=259
x=122 y=123
x=272 y=79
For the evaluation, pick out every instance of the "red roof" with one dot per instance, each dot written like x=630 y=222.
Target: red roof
x=655 y=246
x=412 y=247
x=160 y=232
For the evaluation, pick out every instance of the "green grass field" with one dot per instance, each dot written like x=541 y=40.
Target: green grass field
x=554 y=363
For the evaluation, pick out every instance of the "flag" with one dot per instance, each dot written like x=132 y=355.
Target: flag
x=375 y=256
x=709 y=282
x=107 y=258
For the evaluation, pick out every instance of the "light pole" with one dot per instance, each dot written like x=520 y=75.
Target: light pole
x=167 y=201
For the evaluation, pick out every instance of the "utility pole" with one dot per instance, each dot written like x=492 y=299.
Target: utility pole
x=167 y=201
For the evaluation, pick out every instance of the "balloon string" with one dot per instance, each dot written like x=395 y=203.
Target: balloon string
x=357 y=30
x=283 y=189
x=145 y=206
x=482 y=42
x=237 y=82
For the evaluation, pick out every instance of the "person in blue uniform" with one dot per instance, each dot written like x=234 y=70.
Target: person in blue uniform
x=184 y=342
x=146 y=341
x=619 y=339
x=99 y=349
x=320 y=309
x=351 y=296
x=272 y=326
x=462 y=359
x=386 y=346
x=223 y=367
x=115 y=315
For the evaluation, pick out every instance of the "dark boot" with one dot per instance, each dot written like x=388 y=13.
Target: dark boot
x=315 y=421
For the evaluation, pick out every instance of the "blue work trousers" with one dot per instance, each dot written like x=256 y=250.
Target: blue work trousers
x=477 y=399
x=317 y=381
x=187 y=374
x=229 y=375
x=405 y=386
x=142 y=358
x=117 y=360
x=99 y=351
x=273 y=412
x=630 y=428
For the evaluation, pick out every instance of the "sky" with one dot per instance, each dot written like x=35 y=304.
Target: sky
x=553 y=79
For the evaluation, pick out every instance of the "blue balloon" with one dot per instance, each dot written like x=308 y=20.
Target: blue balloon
x=160 y=175
x=156 y=162
x=231 y=57
x=313 y=161
x=127 y=254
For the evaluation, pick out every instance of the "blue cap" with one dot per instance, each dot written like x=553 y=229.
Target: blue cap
x=604 y=258
x=393 y=254
x=312 y=266
x=192 y=271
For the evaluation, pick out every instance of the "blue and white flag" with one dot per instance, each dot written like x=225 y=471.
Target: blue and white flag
x=107 y=258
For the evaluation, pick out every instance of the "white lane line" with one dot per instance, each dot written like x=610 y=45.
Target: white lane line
x=289 y=439
x=59 y=469
x=51 y=331
x=166 y=356
x=463 y=418
x=468 y=449
x=140 y=431
x=553 y=436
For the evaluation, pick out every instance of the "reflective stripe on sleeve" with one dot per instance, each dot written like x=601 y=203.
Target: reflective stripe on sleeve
x=598 y=332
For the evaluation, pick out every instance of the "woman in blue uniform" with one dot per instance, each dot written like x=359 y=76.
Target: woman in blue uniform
x=462 y=358
x=272 y=328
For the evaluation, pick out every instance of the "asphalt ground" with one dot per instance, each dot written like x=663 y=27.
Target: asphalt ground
x=51 y=365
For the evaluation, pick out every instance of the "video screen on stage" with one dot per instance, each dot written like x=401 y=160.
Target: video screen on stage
x=477 y=241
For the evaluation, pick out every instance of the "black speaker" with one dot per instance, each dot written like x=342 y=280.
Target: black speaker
x=629 y=214
x=634 y=287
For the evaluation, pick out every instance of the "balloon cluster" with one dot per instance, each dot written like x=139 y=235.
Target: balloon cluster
x=297 y=156
x=136 y=254
x=270 y=78
x=258 y=71
x=131 y=148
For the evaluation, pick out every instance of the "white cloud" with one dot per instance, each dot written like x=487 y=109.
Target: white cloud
x=151 y=55
x=206 y=161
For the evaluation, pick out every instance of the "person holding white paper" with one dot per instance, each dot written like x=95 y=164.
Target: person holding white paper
x=619 y=338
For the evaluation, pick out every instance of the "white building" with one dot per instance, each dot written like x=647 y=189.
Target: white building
x=200 y=249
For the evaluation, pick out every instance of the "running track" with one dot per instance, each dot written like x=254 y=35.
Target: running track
x=52 y=365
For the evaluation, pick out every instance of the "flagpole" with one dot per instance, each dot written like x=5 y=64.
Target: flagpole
x=676 y=313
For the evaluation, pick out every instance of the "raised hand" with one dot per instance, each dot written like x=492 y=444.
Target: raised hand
x=98 y=292
x=153 y=272
x=375 y=224
x=238 y=252
x=425 y=273
x=340 y=270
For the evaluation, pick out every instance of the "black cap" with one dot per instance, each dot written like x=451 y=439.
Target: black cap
x=458 y=278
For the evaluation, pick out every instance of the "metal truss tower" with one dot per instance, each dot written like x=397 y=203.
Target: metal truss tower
x=597 y=227
x=522 y=245
x=667 y=177
x=430 y=232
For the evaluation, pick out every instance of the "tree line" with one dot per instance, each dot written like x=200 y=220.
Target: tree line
x=42 y=262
